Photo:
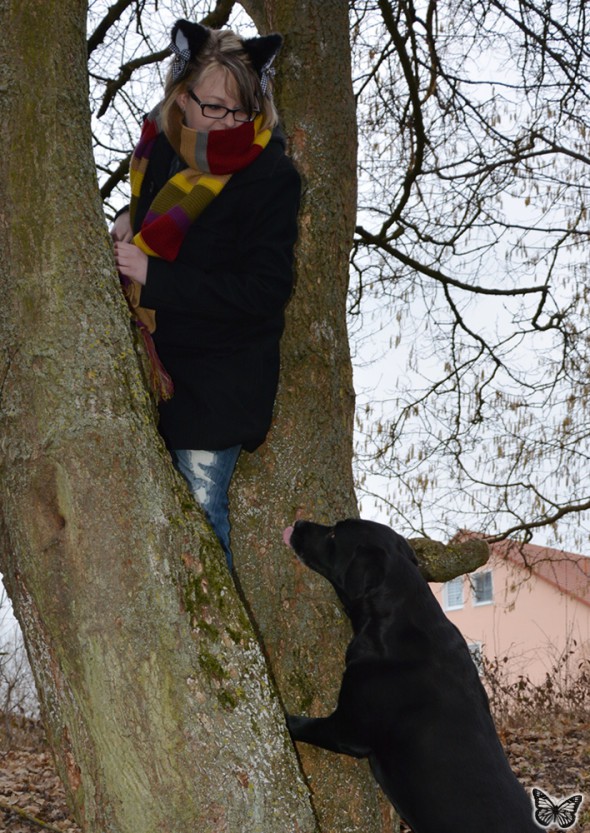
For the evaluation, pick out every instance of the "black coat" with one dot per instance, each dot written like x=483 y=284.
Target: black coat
x=219 y=305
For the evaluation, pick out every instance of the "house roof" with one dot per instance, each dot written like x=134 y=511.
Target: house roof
x=567 y=571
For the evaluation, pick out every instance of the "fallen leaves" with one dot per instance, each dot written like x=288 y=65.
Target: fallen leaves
x=31 y=794
x=554 y=756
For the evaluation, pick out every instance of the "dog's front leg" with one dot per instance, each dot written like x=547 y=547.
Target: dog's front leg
x=326 y=732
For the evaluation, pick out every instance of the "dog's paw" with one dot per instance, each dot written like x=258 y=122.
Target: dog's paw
x=295 y=722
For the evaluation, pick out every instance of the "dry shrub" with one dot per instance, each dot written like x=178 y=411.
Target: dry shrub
x=563 y=693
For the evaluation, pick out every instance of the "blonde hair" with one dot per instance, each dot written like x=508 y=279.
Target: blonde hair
x=224 y=50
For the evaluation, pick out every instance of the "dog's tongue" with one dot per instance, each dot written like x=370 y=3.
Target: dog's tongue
x=287 y=535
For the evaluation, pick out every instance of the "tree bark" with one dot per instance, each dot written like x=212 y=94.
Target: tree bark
x=154 y=691
x=305 y=467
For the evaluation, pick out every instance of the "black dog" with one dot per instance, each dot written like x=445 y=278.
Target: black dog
x=411 y=699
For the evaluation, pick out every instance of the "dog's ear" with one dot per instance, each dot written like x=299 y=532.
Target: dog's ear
x=366 y=571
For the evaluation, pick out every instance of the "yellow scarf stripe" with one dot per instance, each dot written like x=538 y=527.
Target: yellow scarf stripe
x=214 y=182
x=183 y=180
x=262 y=139
x=136 y=181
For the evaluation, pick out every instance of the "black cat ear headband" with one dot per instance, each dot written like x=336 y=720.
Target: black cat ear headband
x=189 y=38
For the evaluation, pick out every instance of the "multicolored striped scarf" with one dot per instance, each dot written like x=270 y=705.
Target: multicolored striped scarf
x=212 y=158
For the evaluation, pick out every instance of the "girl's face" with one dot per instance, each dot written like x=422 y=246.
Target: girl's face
x=217 y=90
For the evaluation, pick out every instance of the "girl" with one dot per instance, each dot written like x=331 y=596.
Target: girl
x=206 y=251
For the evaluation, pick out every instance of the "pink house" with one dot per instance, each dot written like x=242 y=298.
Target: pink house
x=528 y=603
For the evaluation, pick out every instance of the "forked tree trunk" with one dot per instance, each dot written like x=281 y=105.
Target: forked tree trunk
x=153 y=688
x=305 y=467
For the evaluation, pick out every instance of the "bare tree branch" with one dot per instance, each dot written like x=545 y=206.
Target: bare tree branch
x=116 y=177
x=380 y=243
x=114 y=13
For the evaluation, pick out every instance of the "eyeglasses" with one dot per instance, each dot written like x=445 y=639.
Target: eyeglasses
x=217 y=111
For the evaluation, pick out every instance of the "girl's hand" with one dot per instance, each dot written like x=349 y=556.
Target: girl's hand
x=121 y=228
x=131 y=262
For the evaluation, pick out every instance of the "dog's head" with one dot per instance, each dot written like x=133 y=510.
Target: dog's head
x=354 y=555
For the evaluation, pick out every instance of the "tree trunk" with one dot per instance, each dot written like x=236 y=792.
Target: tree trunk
x=153 y=688
x=305 y=467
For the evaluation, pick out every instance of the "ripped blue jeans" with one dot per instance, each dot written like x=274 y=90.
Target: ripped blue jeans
x=208 y=474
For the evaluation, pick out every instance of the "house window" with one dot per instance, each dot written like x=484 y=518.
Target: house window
x=481 y=585
x=476 y=651
x=453 y=593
